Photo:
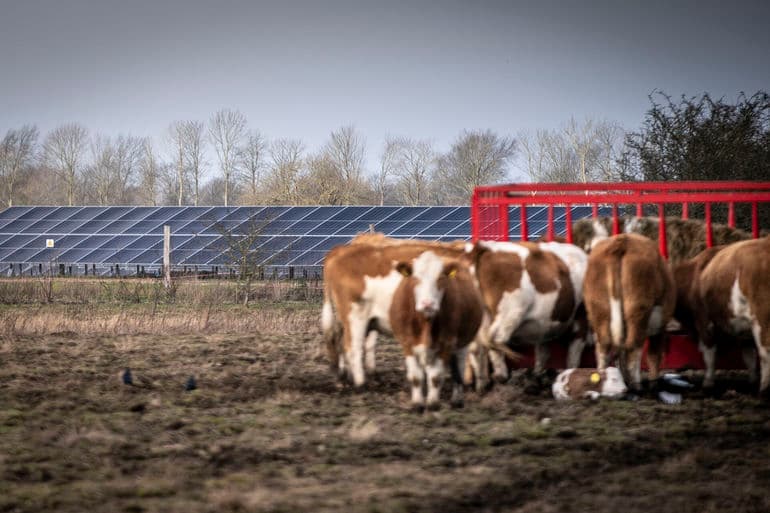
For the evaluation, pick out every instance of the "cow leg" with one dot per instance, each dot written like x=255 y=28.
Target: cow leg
x=457 y=365
x=342 y=368
x=371 y=343
x=637 y=321
x=575 y=352
x=354 y=348
x=602 y=346
x=542 y=352
x=499 y=367
x=709 y=356
x=478 y=359
x=749 y=354
x=633 y=366
x=762 y=341
x=655 y=355
x=469 y=365
x=416 y=376
x=435 y=374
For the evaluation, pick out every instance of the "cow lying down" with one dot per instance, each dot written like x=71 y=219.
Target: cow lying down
x=589 y=383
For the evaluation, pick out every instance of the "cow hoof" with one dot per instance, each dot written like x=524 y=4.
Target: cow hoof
x=434 y=406
x=501 y=378
x=482 y=386
x=457 y=403
x=417 y=408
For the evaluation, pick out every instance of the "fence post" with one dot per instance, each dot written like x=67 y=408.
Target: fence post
x=167 y=256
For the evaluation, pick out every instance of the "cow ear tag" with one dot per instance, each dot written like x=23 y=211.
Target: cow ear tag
x=595 y=377
x=452 y=273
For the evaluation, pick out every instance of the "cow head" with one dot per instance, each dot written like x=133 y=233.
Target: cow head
x=430 y=274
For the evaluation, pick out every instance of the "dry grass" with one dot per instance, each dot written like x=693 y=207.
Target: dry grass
x=87 y=307
x=46 y=289
x=76 y=320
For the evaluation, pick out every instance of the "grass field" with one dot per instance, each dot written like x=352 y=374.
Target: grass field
x=269 y=429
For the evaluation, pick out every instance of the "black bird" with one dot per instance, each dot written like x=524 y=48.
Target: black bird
x=191 y=384
x=128 y=379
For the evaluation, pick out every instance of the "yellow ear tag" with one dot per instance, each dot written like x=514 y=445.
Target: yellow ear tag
x=595 y=377
x=452 y=273
x=404 y=272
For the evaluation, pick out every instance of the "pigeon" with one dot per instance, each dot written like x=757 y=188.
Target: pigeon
x=191 y=384
x=128 y=379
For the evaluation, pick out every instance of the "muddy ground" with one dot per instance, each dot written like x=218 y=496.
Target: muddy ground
x=269 y=429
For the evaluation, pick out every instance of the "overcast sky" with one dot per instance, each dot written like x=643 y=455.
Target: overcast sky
x=426 y=69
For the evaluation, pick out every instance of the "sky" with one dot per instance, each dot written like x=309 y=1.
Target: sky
x=426 y=69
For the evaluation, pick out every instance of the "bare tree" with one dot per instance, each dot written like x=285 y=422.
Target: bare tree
x=149 y=175
x=476 y=158
x=253 y=163
x=345 y=152
x=413 y=167
x=576 y=153
x=286 y=169
x=63 y=152
x=533 y=155
x=387 y=167
x=16 y=153
x=322 y=184
x=226 y=129
x=112 y=173
x=176 y=135
x=193 y=154
x=98 y=175
x=610 y=139
x=583 y=141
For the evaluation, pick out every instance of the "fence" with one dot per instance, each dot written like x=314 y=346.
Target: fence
x=490 y=204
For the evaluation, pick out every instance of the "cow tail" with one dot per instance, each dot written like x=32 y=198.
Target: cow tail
x=616 y=302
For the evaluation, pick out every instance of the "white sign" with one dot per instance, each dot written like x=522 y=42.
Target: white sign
x=49 y=243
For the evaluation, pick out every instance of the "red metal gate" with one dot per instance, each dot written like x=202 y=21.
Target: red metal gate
x=490 y=221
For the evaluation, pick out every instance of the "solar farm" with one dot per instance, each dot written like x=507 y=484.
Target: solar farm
x=286 y=241
x=119 y=395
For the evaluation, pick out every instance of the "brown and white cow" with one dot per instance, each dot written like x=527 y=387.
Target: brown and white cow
x=725 y=291
x=685 y=237
x=532 y=291
x=589 y=383
x=629 y=295
x=435 y=313
x=359 y=282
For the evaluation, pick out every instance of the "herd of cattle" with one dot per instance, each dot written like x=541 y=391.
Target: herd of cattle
x=460 y=307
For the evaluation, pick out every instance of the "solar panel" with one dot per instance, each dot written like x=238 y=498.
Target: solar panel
x=279 y=236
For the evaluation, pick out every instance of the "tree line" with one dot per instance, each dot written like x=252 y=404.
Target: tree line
x=691 y=138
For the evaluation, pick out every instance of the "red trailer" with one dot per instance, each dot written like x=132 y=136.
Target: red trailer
x=490 y=212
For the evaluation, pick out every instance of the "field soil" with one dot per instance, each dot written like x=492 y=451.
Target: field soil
x=268 y=428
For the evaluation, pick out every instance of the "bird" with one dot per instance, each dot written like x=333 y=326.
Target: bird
x=128 y=379
x=191 y=384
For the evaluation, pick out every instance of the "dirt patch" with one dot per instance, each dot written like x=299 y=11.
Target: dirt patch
x=269 y=429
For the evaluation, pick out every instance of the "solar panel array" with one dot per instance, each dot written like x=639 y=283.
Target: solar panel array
x=125 y=239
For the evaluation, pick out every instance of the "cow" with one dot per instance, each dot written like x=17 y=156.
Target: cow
x=532 y=291
x=435 y=313
x=724 y=293
x=359 y=282
x=589 y=383
x=629 y=295
x=685 y=237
